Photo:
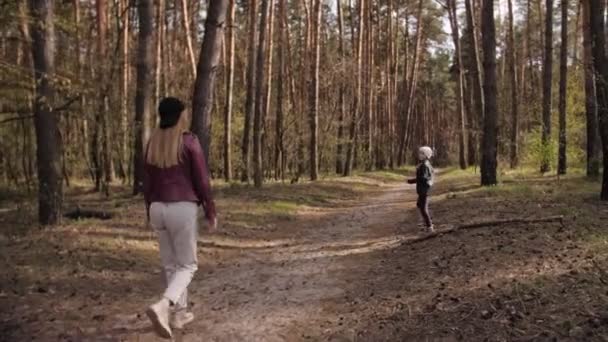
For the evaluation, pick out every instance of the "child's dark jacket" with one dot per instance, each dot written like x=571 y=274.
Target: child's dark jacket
x=424 y=178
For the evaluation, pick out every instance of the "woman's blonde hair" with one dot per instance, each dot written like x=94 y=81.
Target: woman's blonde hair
x=165 y=144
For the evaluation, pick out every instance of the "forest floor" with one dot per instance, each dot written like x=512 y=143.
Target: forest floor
x=323 y=261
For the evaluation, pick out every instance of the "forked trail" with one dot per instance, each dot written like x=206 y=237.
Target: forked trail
x=294 y=288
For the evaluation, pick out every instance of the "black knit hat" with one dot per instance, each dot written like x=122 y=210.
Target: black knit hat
x=169 y=110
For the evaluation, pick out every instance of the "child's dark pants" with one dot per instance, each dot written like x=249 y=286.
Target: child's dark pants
x=423 y=206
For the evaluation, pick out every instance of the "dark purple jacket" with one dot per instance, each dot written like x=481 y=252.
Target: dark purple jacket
x=188 y=181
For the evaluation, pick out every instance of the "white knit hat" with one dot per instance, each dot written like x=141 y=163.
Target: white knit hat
x=426 y=151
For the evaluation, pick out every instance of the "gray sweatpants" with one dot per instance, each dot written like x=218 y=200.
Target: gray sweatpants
x=177 y=227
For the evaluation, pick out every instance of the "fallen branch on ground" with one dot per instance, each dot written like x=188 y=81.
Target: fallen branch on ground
x=80 y=213
x=476 y=225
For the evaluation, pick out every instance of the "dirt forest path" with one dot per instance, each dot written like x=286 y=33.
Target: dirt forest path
x=291 y=289
x=314 y=262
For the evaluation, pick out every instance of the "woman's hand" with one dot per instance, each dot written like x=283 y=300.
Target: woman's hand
x=213 y=225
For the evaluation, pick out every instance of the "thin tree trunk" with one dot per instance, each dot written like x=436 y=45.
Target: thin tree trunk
x=124 y=150
x=547 y=85
x=411 y=84
x=460 y=85
x=490 y=127
x=313 y=93
x=563 y=81
x=369 y=73
x=601 y=80
x=267 y=95
x=229 y=95
x=341 y=95
x=104 y=153
x=48 y=139
x=144 y=90
x=249 y=99
x=202 y=99
x=160 y=33
x=391 y=81
x=350 y=150
x=514 y=98
x=593 y=149
x=279 y=154
x=258 y=176
x=186 y=23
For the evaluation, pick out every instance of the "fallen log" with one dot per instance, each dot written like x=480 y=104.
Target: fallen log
x=475 y=225
x=82 y=213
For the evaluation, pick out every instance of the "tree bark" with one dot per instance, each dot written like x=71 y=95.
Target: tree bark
x=124 y=149
x=514 y=155
x=258 y=172
x=476 y=73
x=411 y=85
x=160 y=41
x=369 y=81
x=547 y=86
x=313 y=93
x=601 y=80
x=351 y=146
x=202 y=99
x=563 y=81
x=453 y=15
x=341 y=95
x=186 y=24
x=48 y=138
x=489 y=140
x=593 y=149
x=249 y=98
x=229 y=94
x=144 y=90
x=279 y=152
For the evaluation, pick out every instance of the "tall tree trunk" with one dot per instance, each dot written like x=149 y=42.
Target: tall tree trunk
x=202 y=99
x=476 y=74
x=341 y=95
x=351 y=146
x=514 y=98
x=48 y=138
x=160 y=41
x=258 y=175
x=279 y=154
x=106 y=151
x=563 y=81
x=313 y=93
x=547 y=85
x=124 y=149
x=460 y=85
x=411 y=85
x=249 y=99
x=601 y=80
x=229 y=95
x=489 y=141
x=369 y=81
x=391 y=81
x=144 y=90
x=186 y=24
x=26 y=64
x=593 y=150
x=267 y=95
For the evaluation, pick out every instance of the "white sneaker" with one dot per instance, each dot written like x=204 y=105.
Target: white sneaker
x=159 y=316
x=181 y=318
x=430 y=229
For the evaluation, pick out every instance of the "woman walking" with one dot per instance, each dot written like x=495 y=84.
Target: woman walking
x=176 y=183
